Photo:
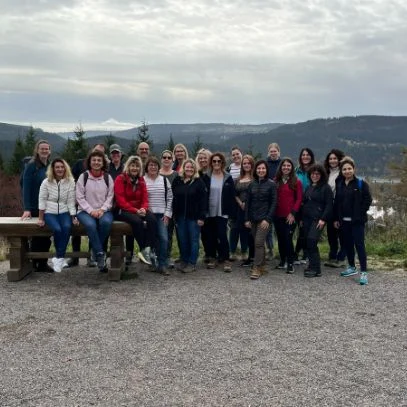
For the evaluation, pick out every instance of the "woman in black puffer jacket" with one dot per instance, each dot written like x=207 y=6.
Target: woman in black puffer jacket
x=316 y=212
x=259 y=211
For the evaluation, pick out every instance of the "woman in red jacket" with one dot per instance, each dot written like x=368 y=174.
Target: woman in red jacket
x=289 y=198
x=132 y=206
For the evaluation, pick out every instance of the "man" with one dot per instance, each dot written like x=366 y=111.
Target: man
x=116 y=165
x=143 y=151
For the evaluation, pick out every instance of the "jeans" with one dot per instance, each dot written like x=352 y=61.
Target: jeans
x=218 y=238
x=333 y=237
x=188 y=239
x=285 y=232
x=61 y=226
x=97 y=230
x=353 y=234
x=162 y=246
x=312 y=236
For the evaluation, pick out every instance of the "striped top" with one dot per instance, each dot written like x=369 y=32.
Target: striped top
x=234 y=171
x=156 y=195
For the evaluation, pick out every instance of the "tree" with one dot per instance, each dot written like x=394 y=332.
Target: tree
x=143 y=136
x=1 y=163
x=250 y=151
x=19 y=153
x=30 y=141
x=196 y=147
x=400 y=170
x=75 y=148
x=171 y=143
x=132 y=147
x=109 y=140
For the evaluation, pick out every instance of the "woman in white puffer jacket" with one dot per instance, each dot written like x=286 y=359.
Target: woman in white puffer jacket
x=56 y=205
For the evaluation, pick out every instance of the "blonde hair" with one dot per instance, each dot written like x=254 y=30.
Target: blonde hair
x=189 y=161
x=133 y=159
x=204 y=151
x=50 y=174
x=347 y=160
x=179 y=145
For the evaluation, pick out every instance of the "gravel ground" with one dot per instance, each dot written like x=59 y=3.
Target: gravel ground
x=203 y=339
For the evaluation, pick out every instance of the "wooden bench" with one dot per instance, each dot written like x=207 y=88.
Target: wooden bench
x=18 y=231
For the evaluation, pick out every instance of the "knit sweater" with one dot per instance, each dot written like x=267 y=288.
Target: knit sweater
x=57 y=197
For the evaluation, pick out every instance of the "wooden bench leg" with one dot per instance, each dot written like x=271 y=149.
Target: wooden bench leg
x=116 y=257
x=19 y=264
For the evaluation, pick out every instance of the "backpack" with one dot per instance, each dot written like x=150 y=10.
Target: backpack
x=86 y=176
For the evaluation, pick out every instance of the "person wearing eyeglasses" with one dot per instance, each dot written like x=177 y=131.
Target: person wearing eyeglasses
x=221 y=206
x=166 y=171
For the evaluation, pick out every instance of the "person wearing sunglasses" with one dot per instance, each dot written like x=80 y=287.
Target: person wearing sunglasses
x=221 y=206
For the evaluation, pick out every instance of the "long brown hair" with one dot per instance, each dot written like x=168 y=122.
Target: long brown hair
x=292 y=177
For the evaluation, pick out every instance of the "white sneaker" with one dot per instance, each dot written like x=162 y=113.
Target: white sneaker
x=144 y=255
x=65 y=264
x=58 y=264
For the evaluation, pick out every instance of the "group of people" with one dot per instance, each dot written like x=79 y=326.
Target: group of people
x=202 y=200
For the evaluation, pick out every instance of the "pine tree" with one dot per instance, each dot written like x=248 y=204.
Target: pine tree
x=171 y=143
x=143 y=136
x=75 y=148
x=19 y=153
x=250 y=151
x=109 y=140
x=196 y=147
x=30 y=141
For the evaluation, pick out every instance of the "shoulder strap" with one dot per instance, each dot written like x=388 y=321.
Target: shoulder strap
x=360 y=183
x=106 y=177
x=165 y=188
x=85 y=178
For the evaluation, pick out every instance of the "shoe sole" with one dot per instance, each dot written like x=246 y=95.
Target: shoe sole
x=349 y=275
x=143 y=259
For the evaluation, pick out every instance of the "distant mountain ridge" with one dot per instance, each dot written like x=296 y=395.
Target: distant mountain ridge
x=373 y=141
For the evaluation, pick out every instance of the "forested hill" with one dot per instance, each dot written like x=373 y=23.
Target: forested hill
x=374 y=141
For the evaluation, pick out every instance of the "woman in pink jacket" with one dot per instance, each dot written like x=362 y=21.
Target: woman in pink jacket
x=94 y=195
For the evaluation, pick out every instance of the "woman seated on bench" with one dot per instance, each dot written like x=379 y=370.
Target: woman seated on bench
x=56 y=204
x=94 y=194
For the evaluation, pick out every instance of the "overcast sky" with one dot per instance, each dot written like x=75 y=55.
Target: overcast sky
x=173 y=61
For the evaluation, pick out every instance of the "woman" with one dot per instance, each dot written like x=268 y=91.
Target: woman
x=56 y=204
x=273 y=162
x=316 y=212
x=202 y=163
x=289 y=198
x=167 y=171
x=180 y=153
x=34 y=173
x=241 y=188
x=259 y=212
x=305 y=160
x=160 y=204
x=352 y=201
x=221 y=206
x=132 y=207
x=336 y=246
x=94 y=195
x=189 y=207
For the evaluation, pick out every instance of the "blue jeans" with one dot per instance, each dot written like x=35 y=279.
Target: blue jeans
x=61 y=225
x=98 y=230
x=188 y=235
x=162 y=240
x=353 y=235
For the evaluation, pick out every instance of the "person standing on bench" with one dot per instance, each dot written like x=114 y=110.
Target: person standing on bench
x=94 y=195
x=34 y=174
